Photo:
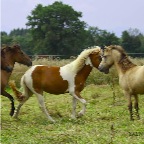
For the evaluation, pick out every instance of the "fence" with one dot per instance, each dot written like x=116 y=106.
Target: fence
x=141 y=55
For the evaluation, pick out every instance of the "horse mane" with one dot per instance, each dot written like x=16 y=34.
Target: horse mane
x=124 y=62
x=4 y=47
x=79 y=62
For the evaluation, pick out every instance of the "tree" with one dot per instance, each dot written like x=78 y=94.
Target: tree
x=57 y=29
x=19 y=32
x=18 y=36
x=5 y=38
x=131 y=40
x=101 y=37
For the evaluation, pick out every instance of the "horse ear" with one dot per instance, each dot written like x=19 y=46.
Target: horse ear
x=9 y=48
x=16 y=46
x=2 y=52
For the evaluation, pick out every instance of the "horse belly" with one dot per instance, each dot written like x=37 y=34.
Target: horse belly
x=137 y=83
x=48 y=79
x=55 y=87
x=138 y=86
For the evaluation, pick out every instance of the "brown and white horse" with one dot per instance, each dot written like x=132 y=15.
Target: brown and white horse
x=131 y=76
x=4 y=63
x=12 y=54
x=59 y=80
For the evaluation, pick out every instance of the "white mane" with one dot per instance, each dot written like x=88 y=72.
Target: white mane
x=77 y=64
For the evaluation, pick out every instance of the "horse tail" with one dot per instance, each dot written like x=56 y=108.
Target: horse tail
x=17 y=93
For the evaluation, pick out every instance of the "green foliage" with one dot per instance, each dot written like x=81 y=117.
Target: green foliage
x=56 y=29
x=19 y=32
x=18 y=36
x=101 y=37
x=132 y=41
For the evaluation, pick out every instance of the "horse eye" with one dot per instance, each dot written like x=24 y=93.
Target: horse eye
x=100 y=58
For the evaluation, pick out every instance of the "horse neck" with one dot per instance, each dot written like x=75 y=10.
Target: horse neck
x=124 y=65
x=85 y=71
x=4 y=78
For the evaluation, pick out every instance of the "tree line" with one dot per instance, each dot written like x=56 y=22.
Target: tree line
x=57 y=29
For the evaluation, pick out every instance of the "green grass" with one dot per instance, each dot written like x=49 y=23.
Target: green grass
x=105 y=121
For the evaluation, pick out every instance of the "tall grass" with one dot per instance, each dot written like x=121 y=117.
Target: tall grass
x=95 y=77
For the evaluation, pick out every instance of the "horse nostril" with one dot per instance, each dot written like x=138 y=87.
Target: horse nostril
x=30 y=64
x=9 y=69
x=99 y=68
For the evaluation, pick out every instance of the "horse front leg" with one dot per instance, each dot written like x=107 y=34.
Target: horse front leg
x=77 y=96
x=4 y=93
x=74 y=108
x=43 y=107
x=129 y=105
x=136 y=106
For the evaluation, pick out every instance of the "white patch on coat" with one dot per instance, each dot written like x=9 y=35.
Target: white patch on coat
x=27 y=78
x=69 y=71
x=88 y=62
x=69 y=75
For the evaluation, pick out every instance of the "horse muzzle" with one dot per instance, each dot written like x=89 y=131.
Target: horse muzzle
x=29 y=63
x=103 y=69
x=9 y=69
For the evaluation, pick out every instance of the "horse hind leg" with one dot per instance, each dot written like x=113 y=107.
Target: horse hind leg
x=27 y=93
x=136 y=106
x=130 y=110
x=43 y=107
x=4 y=93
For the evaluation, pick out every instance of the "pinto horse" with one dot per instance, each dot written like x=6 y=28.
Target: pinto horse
x=131 y=76
x=4 y=63
x=12 y=54
x=59 y=80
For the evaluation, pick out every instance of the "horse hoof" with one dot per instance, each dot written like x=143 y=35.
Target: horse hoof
x=52 y=121
x=11 y=113
x=131 y=119
x=80 y=114
x=138 y=117
x=73 y=117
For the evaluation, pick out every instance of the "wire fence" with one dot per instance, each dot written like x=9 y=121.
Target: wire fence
x=139 y=55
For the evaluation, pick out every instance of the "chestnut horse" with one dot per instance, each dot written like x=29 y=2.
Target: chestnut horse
x=12 y=54
x=4 y=63
x=59 y=80
x=131 y=76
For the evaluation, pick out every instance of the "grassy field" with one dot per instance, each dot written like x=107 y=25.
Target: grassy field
x=106 y=120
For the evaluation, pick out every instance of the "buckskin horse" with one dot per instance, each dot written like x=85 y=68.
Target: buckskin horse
x=12 y=54
x=131 y=76
x=58 y=80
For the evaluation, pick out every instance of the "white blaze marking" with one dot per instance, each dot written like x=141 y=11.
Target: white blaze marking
x=28 y=77
x=88 y=62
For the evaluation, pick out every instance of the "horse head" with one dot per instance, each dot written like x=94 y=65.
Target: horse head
x=20 y=56
x=4 y=62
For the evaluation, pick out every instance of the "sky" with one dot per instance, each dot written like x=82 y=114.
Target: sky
x=111 y=15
